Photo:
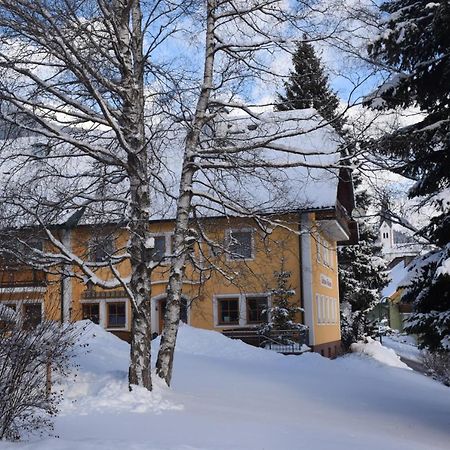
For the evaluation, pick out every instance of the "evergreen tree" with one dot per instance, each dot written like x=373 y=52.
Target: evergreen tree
x=282 y=312
x=416 y=45
x=361 y=278
x=308 y=87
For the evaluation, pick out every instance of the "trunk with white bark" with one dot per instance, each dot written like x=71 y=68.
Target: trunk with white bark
x=164 y=364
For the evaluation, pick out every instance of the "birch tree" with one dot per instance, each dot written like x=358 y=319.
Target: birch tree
x=73 y=77
x=107 y=109
x=240 y=38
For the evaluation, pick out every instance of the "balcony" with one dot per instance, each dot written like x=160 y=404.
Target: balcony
x=287 y=342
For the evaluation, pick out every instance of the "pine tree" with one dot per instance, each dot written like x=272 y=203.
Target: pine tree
x=282 y=313
x=308 y=87
x=416 y=43
x=361 y=277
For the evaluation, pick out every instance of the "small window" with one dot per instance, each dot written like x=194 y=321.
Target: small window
x=256 y=309
x=240 y=244
x=116 y=315
x=159 y=249
x=32 y=315
x=101 y=249
x=228 y=311
x=91 y=311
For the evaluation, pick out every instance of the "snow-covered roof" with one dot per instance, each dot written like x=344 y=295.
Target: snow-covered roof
x=396 y=276
x=274 y=161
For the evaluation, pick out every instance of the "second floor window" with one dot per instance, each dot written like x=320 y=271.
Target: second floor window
x=240 y=244
x=101 y=249
x=159 y=250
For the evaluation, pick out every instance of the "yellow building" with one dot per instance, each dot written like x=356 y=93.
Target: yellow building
x=227 y=286
x=230 y=277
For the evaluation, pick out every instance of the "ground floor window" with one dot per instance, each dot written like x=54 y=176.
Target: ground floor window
x=228 y=311
x=327 y=310
x=116 y=315
x=32 y=315
x=91 y=311
x=256 y=309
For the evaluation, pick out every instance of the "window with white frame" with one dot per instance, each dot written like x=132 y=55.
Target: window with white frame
x=101 y=248
x=257 y=307
x=91 y=311
x=116 y=314
x=228 y=310
x=240 y=244
x=327 y=313
x=241 y=309
x=163 y=246
x=323 y=251
x=29 y=312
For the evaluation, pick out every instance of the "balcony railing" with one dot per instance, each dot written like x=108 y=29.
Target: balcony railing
x=281 y=341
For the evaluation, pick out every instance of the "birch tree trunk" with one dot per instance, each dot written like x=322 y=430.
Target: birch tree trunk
x=133 y=126
x=164 y=364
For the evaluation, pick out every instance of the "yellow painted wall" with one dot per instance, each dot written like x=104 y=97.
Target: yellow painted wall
x=254 y=276
x=324 y=332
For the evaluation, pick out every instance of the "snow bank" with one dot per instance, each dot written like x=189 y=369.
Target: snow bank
x=404 y=345
x=244 y=398
x=382 y=354
x=101 y=384
x=195 y=341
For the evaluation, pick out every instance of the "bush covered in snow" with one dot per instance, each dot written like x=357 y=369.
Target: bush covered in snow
x=438 y=365
x=28 y=357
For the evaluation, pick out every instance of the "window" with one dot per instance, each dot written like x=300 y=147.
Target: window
x=228 y=311
x=32 y=315
x=101 y=248
x=326 y=310
x=116 y=315
x=91 y=311
x=240 y=244
x=159 y=251
x=323 y=251
x=256 y=309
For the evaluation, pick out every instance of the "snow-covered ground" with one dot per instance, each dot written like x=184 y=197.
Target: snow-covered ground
x=229 y=396
x=404 y=346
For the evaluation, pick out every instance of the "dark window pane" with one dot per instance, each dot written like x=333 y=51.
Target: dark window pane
x=101 y=249
x=91 y=311
x=256 y=309
x=229 y=311
x=159 y=250
x=32 y=313
x=240 y=245
x=116 y=315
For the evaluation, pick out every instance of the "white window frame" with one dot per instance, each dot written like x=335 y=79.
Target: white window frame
x=94 y=301
x=229 y=232
x=167 y=241
x=104 y=310
x=327 y=313
x=324 y=251
x=242 y=299
x=19 y=306
x=92 y=244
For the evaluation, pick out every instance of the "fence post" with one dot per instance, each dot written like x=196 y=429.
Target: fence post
x=48 y=376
